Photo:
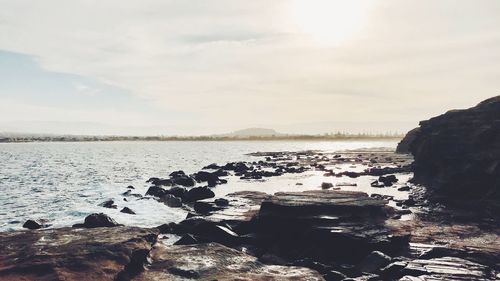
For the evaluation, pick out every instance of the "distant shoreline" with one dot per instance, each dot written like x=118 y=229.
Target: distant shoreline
x=198 y=138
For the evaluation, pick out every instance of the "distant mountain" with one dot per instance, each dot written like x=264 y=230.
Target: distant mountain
x=254 y=132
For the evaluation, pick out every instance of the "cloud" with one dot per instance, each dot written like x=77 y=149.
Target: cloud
x=238 y=63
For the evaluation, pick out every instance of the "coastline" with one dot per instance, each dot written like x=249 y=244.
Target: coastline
x=250 y=222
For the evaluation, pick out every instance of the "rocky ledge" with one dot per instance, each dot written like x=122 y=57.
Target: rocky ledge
x=457 y=154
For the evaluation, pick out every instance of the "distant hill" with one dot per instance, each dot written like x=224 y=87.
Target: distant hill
x=254 y=132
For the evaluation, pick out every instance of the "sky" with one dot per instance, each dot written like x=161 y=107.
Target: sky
x=186 y=67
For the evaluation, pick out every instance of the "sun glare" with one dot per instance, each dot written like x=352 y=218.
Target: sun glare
x=330 y=22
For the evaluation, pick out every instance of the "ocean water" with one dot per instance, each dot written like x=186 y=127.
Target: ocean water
x=64 y=182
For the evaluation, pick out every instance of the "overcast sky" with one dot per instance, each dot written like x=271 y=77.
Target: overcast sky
x=201 y=67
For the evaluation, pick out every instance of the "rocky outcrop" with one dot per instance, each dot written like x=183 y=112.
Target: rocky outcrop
x=457 y=154
x=122 y=253
x=116 y=253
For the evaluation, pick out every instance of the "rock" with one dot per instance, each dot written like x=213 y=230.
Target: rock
x=127 y=210
x=160 y=182
x=268 y=258
x=221 y=202
x=165 y=228
x=457 y=154
x=177 y=174
x=31 y=224
x=374 y=261
x=97 y=220
x=96 y=254
x=205 y=207
x=377 y=184
x=404 y=188
x=130 y=187
x=198 y=193
x=108 y=204
x=211 y=178
x=156 y=191
x=187 y=239
x=445 y=268
x=212 y=166
x=388 y=180
x=215 y=262
x=404 y=144
x=342 y=226
x=184 y=181
x=212 y=232
x=129 y=193
x=326 y=185
x=172 y=201
x=177 y=191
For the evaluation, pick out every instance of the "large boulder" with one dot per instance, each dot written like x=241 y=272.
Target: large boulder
x=198 y=193
x=457 y=154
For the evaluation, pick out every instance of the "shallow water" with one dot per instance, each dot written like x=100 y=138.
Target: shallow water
x=64 y=182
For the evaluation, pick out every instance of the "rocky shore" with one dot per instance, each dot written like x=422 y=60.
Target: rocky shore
x=378 y=215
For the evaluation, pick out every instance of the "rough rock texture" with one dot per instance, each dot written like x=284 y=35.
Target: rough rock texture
x=74 y=254
x=216 y=262
x=457 y=154
x=327 y=225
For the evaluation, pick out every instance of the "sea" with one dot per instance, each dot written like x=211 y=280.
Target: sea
x=63 y=182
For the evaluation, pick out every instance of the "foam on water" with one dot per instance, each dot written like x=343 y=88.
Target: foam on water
x=64 y=182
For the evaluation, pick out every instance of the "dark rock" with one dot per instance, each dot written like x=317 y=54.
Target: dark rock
x=342 y=226
x=160 y=182
x=326 y=185
x=404 y=188
x=374 y=261
x=377 y=184
x=177 y=174
x=187 y=239
x=156 y=191
x=31 y=224
x=457 y=154
x=108 y=204
x=212 y=166
x=268 y=258
x=127 y=210
x=130 y=187
x=183 y=180
x=172 y=201
x=388 y=180
x=205 y=207
x=211 y=178
x=190 y=274
x=221 y=202
x=98 y=220
x=164 y=228
x=404 y=144
x=177 y=191
x=129 y=193
x=198 y=193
